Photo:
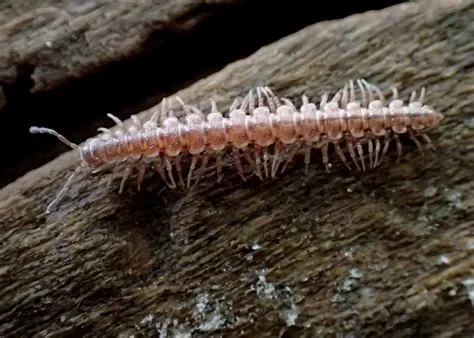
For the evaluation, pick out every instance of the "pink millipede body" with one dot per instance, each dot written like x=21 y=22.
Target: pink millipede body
x=265 y=130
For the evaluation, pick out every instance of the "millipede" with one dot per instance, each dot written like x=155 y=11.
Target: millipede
x=261 y=129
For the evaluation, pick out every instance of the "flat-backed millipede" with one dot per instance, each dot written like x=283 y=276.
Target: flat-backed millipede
x=263 y=129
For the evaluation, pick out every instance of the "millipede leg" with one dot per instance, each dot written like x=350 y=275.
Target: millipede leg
x=159 y=167
x=140 y=176
x=164 y=110
x=238 y=164
x=125 y=175
x=136 y=121
x=345 y=97
x=363 y=94
x=373 y=89
x=429 y=143
x=324 y=153
x=294 y=149
x=394 y=93
x=290 y=103
x=169 y=169
x=307 y=157
x=63 y=190
x=191 y=170
x=245 y=102
x=360 y=151
x=277 y=158
x=256 y=153
x=185 y=108
x=273 y=96
x=386 y=144
x=265 y=162
x=219 y=166
x=251 y=101
x=324 y=101
x=117 y=121
x=350 y=149
x=417 y=143
x=177 y=162
x=369 y=89
x=352 y=96
x=249 y=159
x=271 y=104
x=202 y=168
x=214 y=106
x=341 y=155
x=422 y=95
x=111 y=176
x=154 y=117
x=337 y=96
x=304 y=99
x=371 y=153
x=235 y=104
x=259 y=97
x=399 y=147
x=107 y=132
x=377 y=151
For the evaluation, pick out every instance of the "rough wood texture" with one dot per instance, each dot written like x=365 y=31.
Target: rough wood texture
x=68 y=63
x=387 y=253
x=48 y=35
x=58 y=57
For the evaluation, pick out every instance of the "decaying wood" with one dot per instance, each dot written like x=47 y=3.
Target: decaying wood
x=387 y=253
x=58 y=57
x=60 y=40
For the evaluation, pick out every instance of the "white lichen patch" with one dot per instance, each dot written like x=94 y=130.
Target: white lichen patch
x=264 y=289
x=172 y=329
x=355 y=273
x=212 y=322
x=208 y=315
x=351 y=281
x=291 y=312
x=429 y=192
x=290 y=315
x=147 y=319
x=443 y=259
x=455 y=199
x=470 y=244
x=469 y=284
x=282 y=299
x=202 y=300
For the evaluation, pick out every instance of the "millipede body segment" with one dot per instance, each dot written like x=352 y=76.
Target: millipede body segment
x=261 y=129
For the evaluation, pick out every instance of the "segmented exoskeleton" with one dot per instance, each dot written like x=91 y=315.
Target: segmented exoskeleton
x=265 y=130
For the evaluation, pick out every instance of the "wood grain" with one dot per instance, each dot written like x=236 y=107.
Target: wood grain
x=387 y=253
x=50 y=34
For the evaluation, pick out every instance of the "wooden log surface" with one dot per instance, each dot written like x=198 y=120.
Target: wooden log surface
x=69 y=63
x=47 y=35
x=386 y=253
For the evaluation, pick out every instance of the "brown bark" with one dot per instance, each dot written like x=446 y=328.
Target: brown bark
x=386 y=253
x=75 y=32
x=69 y=63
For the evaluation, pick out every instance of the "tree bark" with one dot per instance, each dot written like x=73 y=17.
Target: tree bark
x=78 y=29
x=69 y=63
x=385 y=253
